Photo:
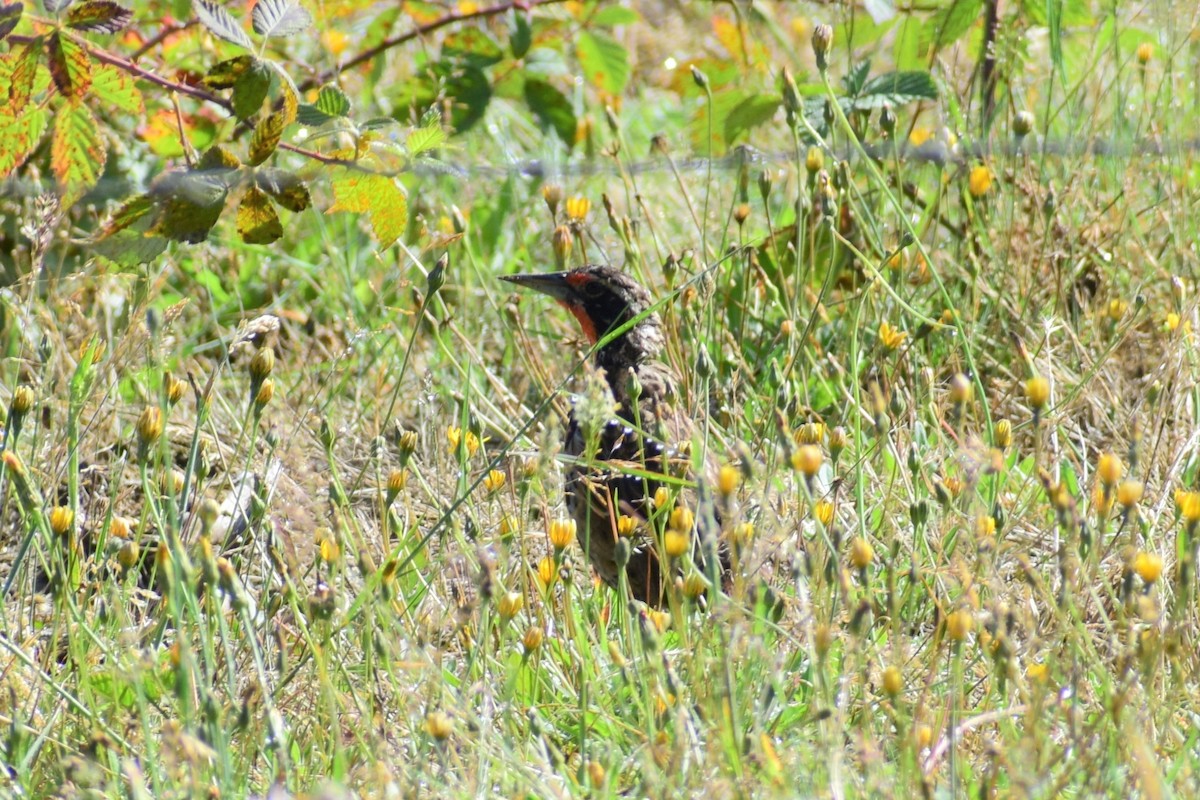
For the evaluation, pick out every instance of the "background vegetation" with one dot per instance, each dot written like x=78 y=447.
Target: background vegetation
x=279 y=461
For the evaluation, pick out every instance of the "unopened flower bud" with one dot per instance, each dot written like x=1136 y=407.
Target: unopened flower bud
x=822 y=41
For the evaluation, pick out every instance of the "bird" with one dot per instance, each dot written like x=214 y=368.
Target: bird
x=610 y=489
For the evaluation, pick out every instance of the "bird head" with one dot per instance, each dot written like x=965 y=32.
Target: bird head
x=601 y=299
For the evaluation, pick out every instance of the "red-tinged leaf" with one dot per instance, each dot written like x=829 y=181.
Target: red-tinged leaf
x=77 y=152
x=287 y=189
x=116 y=87
x=99 y=16
x=20 y=134
x=130 y=212
x=10 y=15
x=220 y=22
x=70 y=66
x=24 y=62
x=225 y=73
x=266 y=138
x=377 y=195
x=257 y=219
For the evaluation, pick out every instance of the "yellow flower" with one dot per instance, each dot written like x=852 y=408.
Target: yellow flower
x=742 y=533
x=1130 y=493
x=61 y=520
x=1102 y=500
x=562 y=533
x=1037 y=392
x=959 y=624
x=1145 y=52
x=893 y=681
x=807 y=459
x=1110 y=469
x=1172 y=321
x=985 y=526
x=1117 y=308
x=728 y=480
x=676 y=542
x=1189 y=506
x=814 y=159
x=510 y=604
x=661 y=497
x=890 y=337
x=439 y=725
x=532 y=639
x=1037 y=673
x=626 y=525
x=979 y=181
x=809 y=433
x=149 y=425
x=823 y=512
x=546 y=572
x=494 y=480
x=1002 y=434
x=1148 y=566
x=578 y=208
x=861 y=553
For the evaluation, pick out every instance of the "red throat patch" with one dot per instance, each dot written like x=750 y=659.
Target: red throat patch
x=585 y=322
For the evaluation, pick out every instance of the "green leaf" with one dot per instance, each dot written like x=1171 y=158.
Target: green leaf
x=750 y=113
x=470 y=91
x=473 y=47
x=896 y=89
x=224 y=74
x=69 y=65
x=266 y=137
x=604 y=61
x=257 y=219
x=77 y=152
x=20 y=133
x=521 y=38
x=99 y=16
x=23 y=62
x=331 y=104
x=189 y=203
x=10 y=15
x=117 y=87
x=287 y=189
x=944 y=27
x=279 y=18
x=131 y=211
x=221 y=23
x=425 y=139
x=377 y=195
x=250 y=89
x=612 y=15
x=552 y=109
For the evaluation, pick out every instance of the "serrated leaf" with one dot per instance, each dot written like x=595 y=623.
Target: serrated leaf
x=221 y=23
x=99 y=16
x=266 y=138
x=117 y=87
x=20 y=134
x=377 y=195
x=473 y=47
x=24 y=63
x=250 y=89
x=604 y=61
x=425 y=139
x=218 y=159
x=70 y=66
x=257 y=219
x=287 y=188
x=291 y=95
x=130 y=248
x=279 y=18
x=77 y=152
x=10 y=15
x=224 y=74
x=552 y=109
x=896 y=89
x=331 y=104
x=55 y=6
x=189 y=204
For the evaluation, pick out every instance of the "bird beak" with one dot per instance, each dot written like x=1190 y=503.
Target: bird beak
x=551 y=283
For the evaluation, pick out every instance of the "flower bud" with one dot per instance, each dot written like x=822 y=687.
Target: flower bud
x=822 y=41
x=22 y=401
x=1023 y=124
x=149 y=426
x=562 y=240
x=263 y=363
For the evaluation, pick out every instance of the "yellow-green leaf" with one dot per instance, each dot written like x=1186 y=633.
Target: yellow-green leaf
x=266 y=138
x=377 y=195
x=257 y=220
x=20 y=134
x=116 y=87
x=77 y=152
x=69 y=65
x=20 y=70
